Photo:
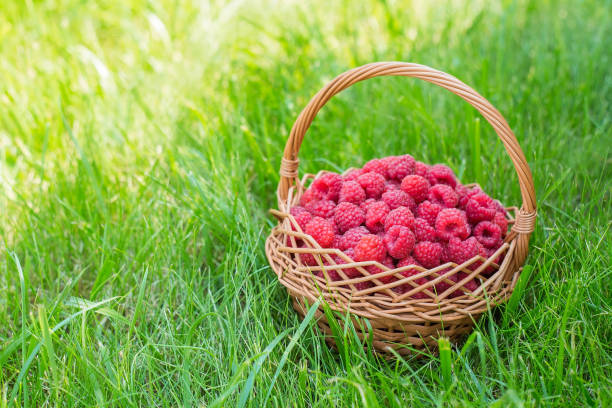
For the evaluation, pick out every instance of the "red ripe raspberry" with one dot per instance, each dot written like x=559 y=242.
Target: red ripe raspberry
x=428 y=254
x=322 y=208
x=416 y=186
x=467 y=287
x=377 y=166
x=400 y=167
x=363 y=285
x=375 y=216
x=373 y=184
x=428 y=211
x=461 y=190
x=301 y=215
x=349 y=272
x=366 y=204
x=442 y=286
x=399 y=241
x=459 y=251
x=328 y=185
x=397 y=198
x=307 y=259
x=352 y=192
x=310 y=196
x=443 y=195
x=391 y=185
x=352 y=175
x=407 y=261
x=480 y=207
x=400 y=216
x=421 y=169
x=465 y=194
x=488 y=234
x=424 y=231
x=337 y=240
x=388 y=262
x=333 y=275
x=500 y=207
x=348 y=216
x=321 y=230
x=408 y=273
x=370 y=248
x=451 y=222
x=502 y=222
x=441 y=174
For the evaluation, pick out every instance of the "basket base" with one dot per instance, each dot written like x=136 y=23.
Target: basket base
x=403 y=340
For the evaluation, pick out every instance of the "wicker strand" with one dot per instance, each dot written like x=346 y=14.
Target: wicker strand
x=525 y=222
x=289 y=168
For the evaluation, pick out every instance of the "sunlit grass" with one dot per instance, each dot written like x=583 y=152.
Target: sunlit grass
x=139 y=153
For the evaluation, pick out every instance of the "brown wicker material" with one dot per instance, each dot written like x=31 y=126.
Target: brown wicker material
x=397 y=320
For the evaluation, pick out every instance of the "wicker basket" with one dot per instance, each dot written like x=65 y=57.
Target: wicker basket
x=397 y=320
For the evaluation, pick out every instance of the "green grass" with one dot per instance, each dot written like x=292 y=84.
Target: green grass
x=139 y=153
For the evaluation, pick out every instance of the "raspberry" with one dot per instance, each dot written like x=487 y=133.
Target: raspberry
x=372 y=183
x=363 y=285
x=369 y=248
x=349 y=272
x=428 y=211
x=421 y=169
x=488 y=234
x=397 y=198
x=333 y=275
x=442 y=285
x=321 y=230
x=461 y=190
x=424 y=231
x=351 y=192
x=310 y=196
x=375 y=216
x=428 y=254
x=366 y=204
x=400 y=166
x=322 y=208
x=337 y=240
x=416 y=186
x=480 y=207
x=388 y=262
x=467 y=287
x=407 y=287
x=377 y=166
x=301 y=215
x=391 y=185
x=352 y=175
x=500 y=207
x=328 y=185
x=443 y=195
x=307 y=259
x=461 y=251
x=466 y=193
x=406 y=261
x=399 y=241
x=451 y=222
x=347 y=216
x=336 y=229
x=502 y=222
x=441 y=174
x=400 y=216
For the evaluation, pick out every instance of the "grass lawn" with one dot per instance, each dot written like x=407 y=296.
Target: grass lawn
x=139 y=153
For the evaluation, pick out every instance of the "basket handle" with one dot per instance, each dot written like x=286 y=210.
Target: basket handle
x=525 y=220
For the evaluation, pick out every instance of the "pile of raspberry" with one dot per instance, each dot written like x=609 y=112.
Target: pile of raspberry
x=401 y=212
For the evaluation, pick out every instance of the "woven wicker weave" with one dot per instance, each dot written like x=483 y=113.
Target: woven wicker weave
x=397 y=320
